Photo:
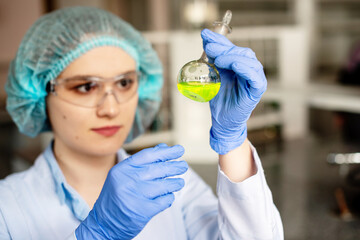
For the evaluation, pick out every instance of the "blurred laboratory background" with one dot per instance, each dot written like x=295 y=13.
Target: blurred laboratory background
x=306 y=128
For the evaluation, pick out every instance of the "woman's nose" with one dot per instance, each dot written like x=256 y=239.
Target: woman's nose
x=108 y=106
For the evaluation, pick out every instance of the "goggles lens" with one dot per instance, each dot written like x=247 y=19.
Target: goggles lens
x=89 y=91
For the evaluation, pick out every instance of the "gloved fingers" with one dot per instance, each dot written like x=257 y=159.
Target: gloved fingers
x=161 y=145
x=256 y=80
x=227 y=61
x=154 y=189
x=249 y=69
x=163 y=169
x=214 y=50
x=160 y=153
x=213 y=37
x=159 y=204
x=163 y=202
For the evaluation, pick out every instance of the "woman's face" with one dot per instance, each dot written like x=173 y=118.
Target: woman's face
x=100 y=130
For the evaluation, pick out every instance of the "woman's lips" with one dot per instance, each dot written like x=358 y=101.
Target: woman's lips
x=107 y=131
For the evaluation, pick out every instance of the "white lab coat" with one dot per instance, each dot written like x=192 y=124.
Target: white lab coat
x=39 y=204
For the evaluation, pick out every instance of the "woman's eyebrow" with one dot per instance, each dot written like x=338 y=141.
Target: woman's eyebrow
x=96 y=76
x=82 y=76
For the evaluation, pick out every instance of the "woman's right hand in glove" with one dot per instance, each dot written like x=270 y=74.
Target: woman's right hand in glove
x=135 y=190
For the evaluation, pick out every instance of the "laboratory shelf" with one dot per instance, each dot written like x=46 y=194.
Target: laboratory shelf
x=335 y=97
x=327 y=96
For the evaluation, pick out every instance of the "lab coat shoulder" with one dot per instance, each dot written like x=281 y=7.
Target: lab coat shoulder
x=28 y=201
x=4 y=232
x=15 y=195
x=5 y=194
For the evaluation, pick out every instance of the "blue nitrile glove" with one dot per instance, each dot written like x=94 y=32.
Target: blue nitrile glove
x=135 y=190
x=242 y=84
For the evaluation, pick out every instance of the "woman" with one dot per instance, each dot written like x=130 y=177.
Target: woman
x=95 y=82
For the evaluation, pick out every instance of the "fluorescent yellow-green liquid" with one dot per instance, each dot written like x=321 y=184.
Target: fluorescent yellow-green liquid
x=200 y=92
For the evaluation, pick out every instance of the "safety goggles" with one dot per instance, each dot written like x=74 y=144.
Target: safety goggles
x=91 y=91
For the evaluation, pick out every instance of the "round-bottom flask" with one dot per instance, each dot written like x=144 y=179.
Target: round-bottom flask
x=199 y=80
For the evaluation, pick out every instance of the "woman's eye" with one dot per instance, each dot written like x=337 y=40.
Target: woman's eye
x=85 y=88
x=124 y=83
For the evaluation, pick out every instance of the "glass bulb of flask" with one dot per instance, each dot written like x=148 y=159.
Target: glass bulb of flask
x=199 y=80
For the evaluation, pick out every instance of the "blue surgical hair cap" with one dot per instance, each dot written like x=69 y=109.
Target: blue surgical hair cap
x=58 y=38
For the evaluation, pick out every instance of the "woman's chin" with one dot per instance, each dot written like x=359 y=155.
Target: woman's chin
x=105 y=150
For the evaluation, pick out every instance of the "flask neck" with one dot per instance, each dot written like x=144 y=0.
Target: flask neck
x=204 y=57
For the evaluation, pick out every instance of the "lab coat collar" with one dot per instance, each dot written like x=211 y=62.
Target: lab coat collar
x=64 y=191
